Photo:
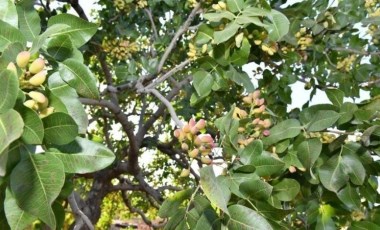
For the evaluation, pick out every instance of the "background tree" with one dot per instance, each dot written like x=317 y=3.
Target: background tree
x=163 y=85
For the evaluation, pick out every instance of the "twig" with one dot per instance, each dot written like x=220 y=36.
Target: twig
x=149 y=13
x=167 y=104
x=79 y=215
x=138 y=211
x=181 y=30
x=169 y=74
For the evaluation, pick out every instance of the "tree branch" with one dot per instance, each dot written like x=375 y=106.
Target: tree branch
x=169 y=74
x=181 y=30
x=150 y=16
x=80 y=217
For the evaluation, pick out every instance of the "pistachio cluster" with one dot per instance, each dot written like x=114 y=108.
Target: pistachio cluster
x=220 y=6
x=192 y=3
x=142 y=3
x=120 y=5
x=196 y=145
x=373 y=9
x=257 y=121
x=194 y=52
x=329 y=21
x=33 y=75
x=121 y=49
x=325 y=137
x=346 y=63
x=304 y=39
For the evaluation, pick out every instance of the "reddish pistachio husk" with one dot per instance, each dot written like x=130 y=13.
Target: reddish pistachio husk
x=201 y=124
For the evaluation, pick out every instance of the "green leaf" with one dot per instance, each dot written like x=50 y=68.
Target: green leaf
x=323 y=119
x=240 y=79
x=234 y=180
x=60 y=128
x=16 y=217
x=279 y=26
x=8 y=90
x=235 y=5
x=325 y=224
x=217 y=192
x=347 y=111
x=208 y=221
x=60 y=47
x=350 y=197
x=8 y=13
x=332 y=174
x=70 y=99
x=286 y=190
x=29 y=21
x=364 y=225
x=251 y=151
x=80 y=31
x=79 y=76
x=255 y=12
x=202 y=82
x=256 y=189
x=39 y=41
x=242 y=217
x=216 y=17
x=84 y=156
x=225 y=34
x=170 y=206
x=308 y=152
x=11 y=128
x=352 y=164
x=283 y=130
x=335 y=96
x=266 y=164
x=36 y=182
x=175 y=220
x=34 y=128
x=204 y=34
x=9 y=34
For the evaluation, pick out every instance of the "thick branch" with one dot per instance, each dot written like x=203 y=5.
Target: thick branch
x=128 y=128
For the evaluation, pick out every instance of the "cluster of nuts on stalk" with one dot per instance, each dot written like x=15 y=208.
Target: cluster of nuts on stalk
x=330 y=20
x=324 y=137
x=124 y=5
x=259 y=39
x=121 y=49
x=373 y=9
x=197 y=146
x=346 y=63
x=304 y=39
x=33 y=75
x=194 y=52
x=259 y=122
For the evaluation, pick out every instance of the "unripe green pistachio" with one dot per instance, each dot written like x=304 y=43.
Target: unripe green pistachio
x=12 y=67
x=37 y=96
x=185 y=173
x=38 y=79
x=37 y=66
x=30 y=104
x=22 y=59
x=46 y=112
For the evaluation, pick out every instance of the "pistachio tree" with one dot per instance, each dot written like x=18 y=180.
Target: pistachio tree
x=145 y=103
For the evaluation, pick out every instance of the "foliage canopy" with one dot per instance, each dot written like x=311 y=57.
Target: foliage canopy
x=149 y=106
